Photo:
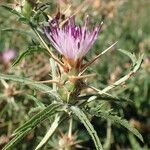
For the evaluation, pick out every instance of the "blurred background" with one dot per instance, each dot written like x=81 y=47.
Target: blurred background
x=125 y=21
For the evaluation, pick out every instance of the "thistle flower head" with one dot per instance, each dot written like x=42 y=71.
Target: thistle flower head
x=7 y=55
x=71 y=41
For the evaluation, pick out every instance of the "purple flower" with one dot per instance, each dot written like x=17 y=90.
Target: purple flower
x=7 y=55
x=71 y=41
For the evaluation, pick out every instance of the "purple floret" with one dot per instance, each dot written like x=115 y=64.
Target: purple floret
x=70 y=40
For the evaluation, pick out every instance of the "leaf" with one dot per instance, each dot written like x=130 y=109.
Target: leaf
x=21 y=57
x=11 y=10
x=39 y=117
x=130 y=55
x=18 y=30
x=39 y=86
x=109 y=97
x=134 y=144
x=15 y=140
x=34 y=110
x=31 y=124
x=40 y=11
x=21 y=17
x=116 y=119
x=49 y=133
x=24 y=20
x=138 y=63
x=30 y=51
x=38 y=102
x=83 y=118
x=126 y=77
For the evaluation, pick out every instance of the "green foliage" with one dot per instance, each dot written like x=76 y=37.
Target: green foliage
x=41 y=87
x=108 y=114
x=129 y=32
x=83 y=118
x=30 y=51
x=135 y=145
x=12 y=10
x=130 y=55
x=19 y=133
x=99 y=97
x=38 y=118
x=37 y=102
x=49 y=133
x=20 y=31
x=15 y=140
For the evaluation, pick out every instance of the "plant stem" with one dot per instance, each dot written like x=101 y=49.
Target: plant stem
x=109 y=137
x=70 y=128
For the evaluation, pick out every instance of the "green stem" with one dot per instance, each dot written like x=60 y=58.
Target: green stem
x=109 y=137
x=70 y=128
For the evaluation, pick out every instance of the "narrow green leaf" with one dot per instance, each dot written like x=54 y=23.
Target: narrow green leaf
x=35 y=110
x=22 y=55
x=83 y=118
x=126 y=77
x=138 y=63
x=22 y=131
x=119 y=120
x=39 y=86
x=40 y=11
x=38 y=103
x=24 y=20
x=130 y=55
x=134 y=144
x=38 y=118
x=104 y=97
x=49 y=133
x=12 y=10
x=30 y=51
x=16 y=140
x=18 y=30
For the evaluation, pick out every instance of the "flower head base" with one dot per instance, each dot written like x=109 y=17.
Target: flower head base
x=71 y=41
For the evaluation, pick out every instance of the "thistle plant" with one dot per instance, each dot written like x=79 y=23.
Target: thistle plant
x=72 y=42
x=69 y=101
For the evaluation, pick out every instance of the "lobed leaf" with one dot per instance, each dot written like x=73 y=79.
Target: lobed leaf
x=116 y=119
x=104 y=97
